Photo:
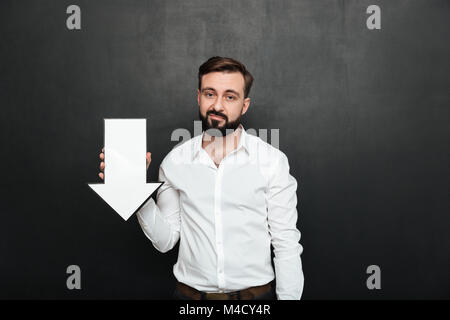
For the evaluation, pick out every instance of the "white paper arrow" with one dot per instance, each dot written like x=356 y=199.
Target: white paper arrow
x=125 y=174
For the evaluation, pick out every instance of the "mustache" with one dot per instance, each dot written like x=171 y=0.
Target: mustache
x=214 y=112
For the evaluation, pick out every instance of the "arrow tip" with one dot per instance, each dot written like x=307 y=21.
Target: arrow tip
x=125 y=199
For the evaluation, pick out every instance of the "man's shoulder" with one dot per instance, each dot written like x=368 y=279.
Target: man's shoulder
x=264 y=150
x=182 y=152
x=269 y=159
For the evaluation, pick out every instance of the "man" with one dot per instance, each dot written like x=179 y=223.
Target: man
x=227 y=196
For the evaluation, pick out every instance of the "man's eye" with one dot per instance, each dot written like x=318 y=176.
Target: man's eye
x=209 y=94
x=230 y=97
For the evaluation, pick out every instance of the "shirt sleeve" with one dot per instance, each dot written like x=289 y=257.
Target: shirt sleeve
x=282 y=220
x=161 y=222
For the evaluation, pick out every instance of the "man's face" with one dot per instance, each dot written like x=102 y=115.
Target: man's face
x=221 y=100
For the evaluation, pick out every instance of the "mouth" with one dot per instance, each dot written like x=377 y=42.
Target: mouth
x=215 y=117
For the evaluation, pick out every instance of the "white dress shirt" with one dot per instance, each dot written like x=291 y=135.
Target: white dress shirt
x=227 y=217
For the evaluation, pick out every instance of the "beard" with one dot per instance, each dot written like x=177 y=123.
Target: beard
x=215 y=129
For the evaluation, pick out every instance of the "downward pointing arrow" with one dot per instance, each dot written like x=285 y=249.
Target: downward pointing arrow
x=125 y=188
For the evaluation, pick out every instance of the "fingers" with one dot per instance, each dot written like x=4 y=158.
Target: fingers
x=102 y=164
x=149 y=159
x=102 y=167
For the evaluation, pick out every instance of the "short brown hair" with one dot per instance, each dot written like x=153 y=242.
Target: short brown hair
x=216 y=63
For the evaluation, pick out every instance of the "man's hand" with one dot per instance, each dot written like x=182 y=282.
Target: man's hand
x=102 y=163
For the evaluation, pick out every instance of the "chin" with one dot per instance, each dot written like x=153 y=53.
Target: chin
x=219 y=124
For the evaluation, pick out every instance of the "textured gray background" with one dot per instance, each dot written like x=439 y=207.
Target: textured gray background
x=363 y=117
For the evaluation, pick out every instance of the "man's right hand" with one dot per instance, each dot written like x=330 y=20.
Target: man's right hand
x=102 y=162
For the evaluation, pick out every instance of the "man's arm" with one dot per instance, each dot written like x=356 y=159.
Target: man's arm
x=161 y=222
x=282 y=219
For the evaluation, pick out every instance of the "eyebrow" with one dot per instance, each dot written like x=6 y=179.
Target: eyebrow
x=228 y=90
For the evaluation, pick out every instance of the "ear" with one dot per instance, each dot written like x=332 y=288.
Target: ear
x=198 y=97
x=246 y=105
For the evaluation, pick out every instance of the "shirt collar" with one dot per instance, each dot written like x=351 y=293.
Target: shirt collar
x=243 y=141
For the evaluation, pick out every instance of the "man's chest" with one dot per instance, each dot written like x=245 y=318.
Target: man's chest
x=228 y=186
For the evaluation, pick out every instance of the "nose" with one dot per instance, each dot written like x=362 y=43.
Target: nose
x=217 y=106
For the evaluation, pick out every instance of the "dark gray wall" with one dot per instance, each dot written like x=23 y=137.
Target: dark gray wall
x=363 y=117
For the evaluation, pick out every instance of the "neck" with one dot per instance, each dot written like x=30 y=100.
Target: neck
x=222 y=145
